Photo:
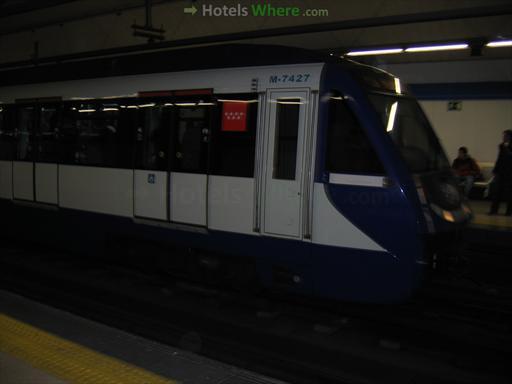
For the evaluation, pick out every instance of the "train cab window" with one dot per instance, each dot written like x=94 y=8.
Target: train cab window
x=152 y=136
x=287 y=128
x=6 y=134
x=348 y=148
x=191 y=136
x=25 y=122
x=234 y=136
x=93 y=135
x=48 y=134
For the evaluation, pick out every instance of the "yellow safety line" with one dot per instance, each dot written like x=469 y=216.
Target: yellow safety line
x=67 y=360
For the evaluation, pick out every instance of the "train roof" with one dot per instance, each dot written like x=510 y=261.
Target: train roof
x=207 y=57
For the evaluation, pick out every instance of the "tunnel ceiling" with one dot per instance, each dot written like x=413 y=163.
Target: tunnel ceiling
x=350 y=25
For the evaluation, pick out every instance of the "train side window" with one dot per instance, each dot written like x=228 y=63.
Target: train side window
x=191 y=136
x=97 y=131
x=25 y=133
x=234 y=136
x=68 y=135
x=48 y=134
x=7 y=143
x=152 y=137
x=92 y=134
x=287 y=129
x=348 y=147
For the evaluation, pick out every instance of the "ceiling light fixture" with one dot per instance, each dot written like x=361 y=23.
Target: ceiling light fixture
x=442 y=47
x=499 y=43
x=386 y=51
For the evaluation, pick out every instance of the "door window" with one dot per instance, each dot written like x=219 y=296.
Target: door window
x=286 y=135
x=48 y=134
x=191 y=137
x=97 y=134
x=24 y=133
x=152 y=137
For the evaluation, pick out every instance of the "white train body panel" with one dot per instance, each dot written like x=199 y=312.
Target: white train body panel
x=188 y=198
x=150 y=194
x=46 y=177
x=95 y=189
x=330 y=227
x=23 y=180
x=231 y=204
x=228 y=80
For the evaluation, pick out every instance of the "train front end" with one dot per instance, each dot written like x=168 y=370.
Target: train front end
x=391 y=179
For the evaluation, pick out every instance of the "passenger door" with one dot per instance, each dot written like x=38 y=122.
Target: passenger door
x=46 y=156
x=170 y=176
x=283 y=174
x=189 y=176
x=152 y=151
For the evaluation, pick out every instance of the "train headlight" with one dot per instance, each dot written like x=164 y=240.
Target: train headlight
x=443 y=213
x=448 y=216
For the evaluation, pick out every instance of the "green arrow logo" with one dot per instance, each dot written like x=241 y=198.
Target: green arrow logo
x=192 y=10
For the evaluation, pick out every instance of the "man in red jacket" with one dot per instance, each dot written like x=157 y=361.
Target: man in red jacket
x=466 y=169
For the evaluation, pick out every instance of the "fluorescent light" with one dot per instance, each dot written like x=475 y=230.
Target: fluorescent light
x=392 y=116
x=442 y=47
x=289 y=102
x=206 y=103
x=147 y=105
x=237 y=101
x=386 y=51
x=86 y=110
x=185 y=104
x=110 y=109
x=168 y=105
x=398 y=88
x=499 y=43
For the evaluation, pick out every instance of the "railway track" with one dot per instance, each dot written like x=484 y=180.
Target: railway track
x=295 y=341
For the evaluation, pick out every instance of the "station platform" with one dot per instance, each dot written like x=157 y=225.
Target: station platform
x=44 y=345
x=483 y=220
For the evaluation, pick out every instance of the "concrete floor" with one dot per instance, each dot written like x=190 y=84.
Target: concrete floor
x=481 y=218
x=16 y=371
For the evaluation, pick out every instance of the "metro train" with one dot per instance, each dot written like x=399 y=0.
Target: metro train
x=275 y=166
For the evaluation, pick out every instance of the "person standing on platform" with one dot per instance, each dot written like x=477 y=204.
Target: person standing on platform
x=466 y=169
x=503 y=175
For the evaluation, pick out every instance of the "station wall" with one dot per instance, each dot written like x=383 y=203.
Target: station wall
x=482 y=87
x=478 y=125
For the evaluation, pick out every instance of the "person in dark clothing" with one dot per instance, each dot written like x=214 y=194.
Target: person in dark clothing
x=503 y=175
x=466 y=169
